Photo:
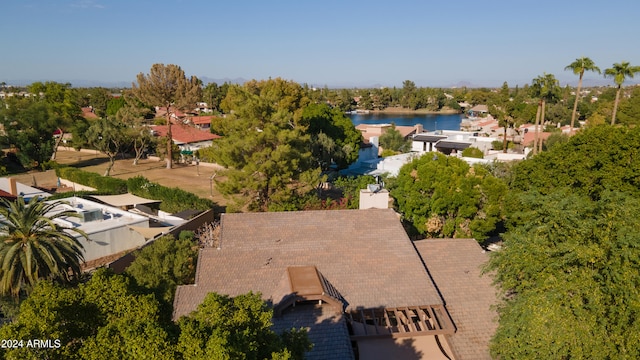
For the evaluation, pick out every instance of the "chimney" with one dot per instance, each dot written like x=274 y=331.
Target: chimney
x=13 y=187
x=419 y=128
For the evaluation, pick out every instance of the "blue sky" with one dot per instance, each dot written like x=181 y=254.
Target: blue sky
x=334 y=43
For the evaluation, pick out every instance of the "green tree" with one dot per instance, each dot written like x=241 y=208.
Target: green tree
x=334 y=139
x=579 y=66
x=409 y=97
x=629 y=109
x=104 y=318
x=134 y=117
x=167 y=85
x=98 y=98
x=596 y=159
x=546 y=88
x=109 y=137
x=35 y=246
x=393 y=140
x=350 y=187
x=265 y=146
x=344 y=101
x=503 y=108
x=164 y=265
x=569 y=265
x=214 y=94
x=366 y=102
x=442 y=196
x=29 y=127
x=619 y=72
x=64 y=102
x=114 y=104
x=226 y=327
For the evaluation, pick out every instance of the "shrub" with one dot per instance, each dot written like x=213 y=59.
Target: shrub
x=473 y=153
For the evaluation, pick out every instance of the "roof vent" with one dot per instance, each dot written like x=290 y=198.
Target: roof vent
x=374 y=188
x=90 y=215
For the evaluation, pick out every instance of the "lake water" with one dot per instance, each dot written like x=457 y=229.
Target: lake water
x=430 y=122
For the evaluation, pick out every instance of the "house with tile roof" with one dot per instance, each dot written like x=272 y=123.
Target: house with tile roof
x=353 y=278
x=201 y=122
x=187 y=137
x=370 y=130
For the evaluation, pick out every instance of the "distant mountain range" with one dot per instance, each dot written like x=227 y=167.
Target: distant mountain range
x=564 y=80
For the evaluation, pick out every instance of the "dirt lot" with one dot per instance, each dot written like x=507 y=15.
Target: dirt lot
x=191 y=178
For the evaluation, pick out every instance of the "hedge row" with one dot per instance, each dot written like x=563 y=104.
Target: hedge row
x=103 y=184
x=173 y=199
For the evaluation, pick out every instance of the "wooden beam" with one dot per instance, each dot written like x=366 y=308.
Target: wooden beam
x=400 y=322
x=422 y=317
x=386 y=319
x=364 y=321
x=434 y=319
x=375 y=321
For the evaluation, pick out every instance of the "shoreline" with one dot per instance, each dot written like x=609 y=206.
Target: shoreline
x=405 y=111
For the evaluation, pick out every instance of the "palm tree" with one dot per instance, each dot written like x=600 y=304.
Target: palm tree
x=34 y=246
x=579 y=67
x=546 y=88
x=619 y=72
x=503 y=109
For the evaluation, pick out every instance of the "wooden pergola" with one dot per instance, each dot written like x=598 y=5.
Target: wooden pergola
x=400 y=322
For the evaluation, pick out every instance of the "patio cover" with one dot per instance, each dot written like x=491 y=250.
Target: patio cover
x=124 y=200
x=150 y=233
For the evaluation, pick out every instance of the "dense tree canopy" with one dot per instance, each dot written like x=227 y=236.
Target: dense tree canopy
x=29 y=128
x=107 y=317
x=334 y=139
x=442 y=196
x=164 y=265
x=596 y=159
x=572 y=268
x=265 y=146
x=240 y=327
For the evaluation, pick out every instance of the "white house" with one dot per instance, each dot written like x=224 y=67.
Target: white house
x=111 y=230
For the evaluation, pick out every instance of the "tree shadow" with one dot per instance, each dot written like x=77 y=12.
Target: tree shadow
x=93 y=161
x=334 y=338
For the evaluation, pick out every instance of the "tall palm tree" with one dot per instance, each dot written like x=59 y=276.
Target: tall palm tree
x=545 y=87
x=579 y=66
x=34 y=246
x=619 y=72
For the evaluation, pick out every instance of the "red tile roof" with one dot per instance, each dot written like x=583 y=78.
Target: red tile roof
x=530 y=136
x=7 y=195
x=184 y=134
x=87 y=113
x=201 y=120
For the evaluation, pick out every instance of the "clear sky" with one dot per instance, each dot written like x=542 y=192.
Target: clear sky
x=330 y=42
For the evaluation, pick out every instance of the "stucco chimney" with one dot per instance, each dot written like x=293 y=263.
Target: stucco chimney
x=13 y=187
x=419 y=128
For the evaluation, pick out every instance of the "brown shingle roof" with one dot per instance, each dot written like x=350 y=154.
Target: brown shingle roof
x=455 y=265
x=365 y=254
x=327 y=330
